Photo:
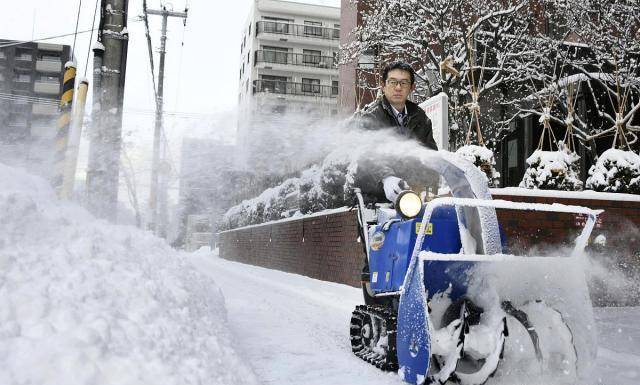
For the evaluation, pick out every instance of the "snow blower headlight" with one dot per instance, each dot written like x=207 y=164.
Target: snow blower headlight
x=408 y=204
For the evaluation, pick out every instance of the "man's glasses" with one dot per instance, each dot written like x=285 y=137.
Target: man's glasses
x=403 y=83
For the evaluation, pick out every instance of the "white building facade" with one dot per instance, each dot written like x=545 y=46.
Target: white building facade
x=288 y=63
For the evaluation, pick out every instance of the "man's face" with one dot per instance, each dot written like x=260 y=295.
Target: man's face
x=398 y=86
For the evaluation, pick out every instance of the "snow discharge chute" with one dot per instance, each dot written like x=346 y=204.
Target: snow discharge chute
x=446 y=304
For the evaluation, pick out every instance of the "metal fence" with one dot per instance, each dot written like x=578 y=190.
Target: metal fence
x=312 y=31
x=290 y=88
x=296 y=59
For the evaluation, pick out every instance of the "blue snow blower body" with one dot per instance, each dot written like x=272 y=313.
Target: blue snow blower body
x=391 y=250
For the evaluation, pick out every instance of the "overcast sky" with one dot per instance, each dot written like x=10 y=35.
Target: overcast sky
x=200 y=76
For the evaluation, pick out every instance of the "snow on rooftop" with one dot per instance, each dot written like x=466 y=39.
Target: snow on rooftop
x=86 y=302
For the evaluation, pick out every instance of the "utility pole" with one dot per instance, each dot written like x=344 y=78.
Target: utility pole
x=158 y=193
x=109 y=69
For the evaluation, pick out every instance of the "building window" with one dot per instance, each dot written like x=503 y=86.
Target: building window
x=310 y=56
x=249 y=29
x=49 y=79
x=275 y=54
x=334 y=87
x=24 y=56
x=277 y=84
x=311 y=85
x=276 y=24
x=2 y=55
x=248 y=53
x=312 y=28
x=46 y=57
x=22 y=78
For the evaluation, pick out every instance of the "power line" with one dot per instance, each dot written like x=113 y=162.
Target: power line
x=15 y=42
x=75 y=34
x=146 y=28
x=86 y=64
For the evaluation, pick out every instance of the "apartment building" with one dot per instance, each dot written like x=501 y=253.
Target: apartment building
x=31 y=76
x=288 y=63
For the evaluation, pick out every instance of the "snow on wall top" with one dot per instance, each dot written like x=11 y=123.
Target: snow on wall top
x=587 y=194
x=86 y=302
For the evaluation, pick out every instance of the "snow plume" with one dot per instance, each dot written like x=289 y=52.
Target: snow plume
x=614 y=265
x=86 y=302
x=358 y=158
x=558 y=282
x=29 y=148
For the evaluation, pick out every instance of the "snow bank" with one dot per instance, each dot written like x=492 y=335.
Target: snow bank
x=86 y=302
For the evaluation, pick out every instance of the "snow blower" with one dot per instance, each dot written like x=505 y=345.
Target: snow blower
x=445 y=304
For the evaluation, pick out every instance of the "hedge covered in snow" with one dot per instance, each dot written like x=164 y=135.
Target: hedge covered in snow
x=616 y=171
x=553 y=170
x=318 y=188
x=483 y=158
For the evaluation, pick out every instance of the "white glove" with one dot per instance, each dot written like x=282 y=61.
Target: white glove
x=393 y=186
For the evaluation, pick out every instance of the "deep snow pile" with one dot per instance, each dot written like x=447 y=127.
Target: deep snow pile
x=616 y=171
x=86 y=302
x=552 y=170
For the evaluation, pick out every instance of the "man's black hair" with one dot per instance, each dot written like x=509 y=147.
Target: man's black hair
x=398 y=65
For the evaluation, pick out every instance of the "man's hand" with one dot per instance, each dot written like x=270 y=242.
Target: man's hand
x=393 y=186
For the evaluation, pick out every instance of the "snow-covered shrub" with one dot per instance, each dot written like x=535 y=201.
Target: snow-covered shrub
x=484 y=159
x=333 y=181
x=553 y=170
x=616 y=171
x=312 y=198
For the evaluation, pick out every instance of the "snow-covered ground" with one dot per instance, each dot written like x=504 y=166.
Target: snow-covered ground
x=86 y=302
x=294 y=330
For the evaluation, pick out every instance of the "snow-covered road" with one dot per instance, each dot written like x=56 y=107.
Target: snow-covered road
x=291 y=329
x=294 y=330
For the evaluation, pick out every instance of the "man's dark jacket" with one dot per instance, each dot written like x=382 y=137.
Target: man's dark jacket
x=380 y=115
x=372 y=170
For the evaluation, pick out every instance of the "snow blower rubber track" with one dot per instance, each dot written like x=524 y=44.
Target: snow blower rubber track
x=373 y=336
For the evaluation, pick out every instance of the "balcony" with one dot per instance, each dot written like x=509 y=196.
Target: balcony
x=296 y=89
x=45 y=108
x=49 y=65
x=296 y=59
x=298 y=30
x=46 y=87
x=24 y=57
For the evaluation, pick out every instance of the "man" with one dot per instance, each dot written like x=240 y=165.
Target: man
x=393 y=111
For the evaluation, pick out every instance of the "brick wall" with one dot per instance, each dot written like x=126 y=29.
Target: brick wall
x=620 y=222
x=325 y=246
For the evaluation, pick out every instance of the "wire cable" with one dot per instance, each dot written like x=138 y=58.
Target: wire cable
x=146 y=27
x=86 y=63
x=75 y=35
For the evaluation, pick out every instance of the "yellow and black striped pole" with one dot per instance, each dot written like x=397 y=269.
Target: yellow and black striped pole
x=64 y=122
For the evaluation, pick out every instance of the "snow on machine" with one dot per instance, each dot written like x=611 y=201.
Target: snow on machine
x=444 y=302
